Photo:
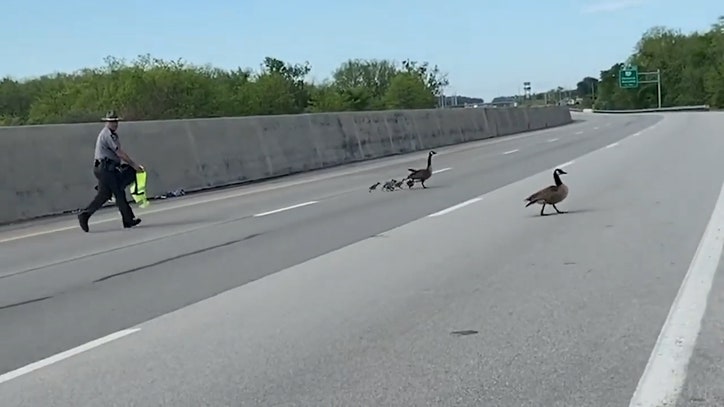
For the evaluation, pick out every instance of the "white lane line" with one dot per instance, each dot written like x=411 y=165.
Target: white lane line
x=579 y=132
x=65 y=355
x=665 y=373
x=364 y=167
x=224 y=196
x=441 y=170
x=285 y=209
x=511 y=152
x=566 y=164
x=552 y=140
x=636 y=134
x=455 y=207
x=612 y=145
x=595 y=128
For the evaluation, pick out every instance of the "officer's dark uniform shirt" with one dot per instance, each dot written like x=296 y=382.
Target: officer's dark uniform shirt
x=107 y=146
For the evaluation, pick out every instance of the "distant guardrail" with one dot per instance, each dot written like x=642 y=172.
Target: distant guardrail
x=699 y=108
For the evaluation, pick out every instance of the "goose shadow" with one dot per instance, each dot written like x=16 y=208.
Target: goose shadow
x=583 y=210
x=567 y=212
x=417 y=187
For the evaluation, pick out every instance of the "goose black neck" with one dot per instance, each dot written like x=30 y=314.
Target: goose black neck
x=429 y=160
x=557 y=179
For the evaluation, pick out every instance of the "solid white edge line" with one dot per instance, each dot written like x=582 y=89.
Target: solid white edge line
x=455 y=207
x=65 y=355
x=511 y=151
x=579 y=132
x=612 y=145
x=552 y=140
x=442 y=170
x=665 y=373
x=285 y=209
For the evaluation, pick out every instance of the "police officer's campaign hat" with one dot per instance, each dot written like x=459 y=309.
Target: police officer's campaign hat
x=111 y=116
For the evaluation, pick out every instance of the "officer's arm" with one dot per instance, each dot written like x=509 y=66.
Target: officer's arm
x=114 y=145
x=124 y=156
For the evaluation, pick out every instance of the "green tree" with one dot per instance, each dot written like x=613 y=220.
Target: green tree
x=714 y=76
x=409 y=91
x=587 y=87
x=365 y=80
x=149 y=88
x=433 y=78
x=327 y=98
x=691 y=66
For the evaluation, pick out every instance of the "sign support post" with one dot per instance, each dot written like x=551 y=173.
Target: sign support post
x=628 y=78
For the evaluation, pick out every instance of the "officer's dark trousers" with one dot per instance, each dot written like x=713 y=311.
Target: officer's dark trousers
x=127 y=174
x=110 y=182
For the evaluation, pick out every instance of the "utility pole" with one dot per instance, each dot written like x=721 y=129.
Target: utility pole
x=527 y=91
x=658 y=84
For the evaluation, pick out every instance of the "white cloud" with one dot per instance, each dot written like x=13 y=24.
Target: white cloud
x=607 y=6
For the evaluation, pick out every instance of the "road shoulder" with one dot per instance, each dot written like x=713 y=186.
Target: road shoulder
x=704 y=386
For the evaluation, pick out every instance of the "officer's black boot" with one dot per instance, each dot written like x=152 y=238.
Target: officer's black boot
x=132 y=223
x=83 y=220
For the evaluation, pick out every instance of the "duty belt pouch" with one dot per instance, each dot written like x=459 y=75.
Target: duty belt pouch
x=108 y=165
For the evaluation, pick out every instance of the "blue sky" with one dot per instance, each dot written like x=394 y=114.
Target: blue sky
x=488 y=48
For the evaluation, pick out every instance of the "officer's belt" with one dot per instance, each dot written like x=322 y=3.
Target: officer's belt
x=106 y=163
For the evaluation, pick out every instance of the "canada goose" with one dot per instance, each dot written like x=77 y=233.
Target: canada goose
x=373 y=187
x=424 y=174
x=550 y=195
x=410 y=183
x=398 y=184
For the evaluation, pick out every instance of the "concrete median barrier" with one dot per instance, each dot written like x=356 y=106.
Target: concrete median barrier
x=46 y=170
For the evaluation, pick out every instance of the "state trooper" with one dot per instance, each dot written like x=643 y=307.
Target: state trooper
x=106 y=168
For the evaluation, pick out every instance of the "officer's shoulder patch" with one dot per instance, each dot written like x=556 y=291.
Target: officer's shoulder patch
x=114 y=137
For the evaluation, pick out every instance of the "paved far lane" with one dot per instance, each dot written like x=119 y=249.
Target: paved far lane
x=368 y=320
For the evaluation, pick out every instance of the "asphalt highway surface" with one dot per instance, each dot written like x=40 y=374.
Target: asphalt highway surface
x=310 y=290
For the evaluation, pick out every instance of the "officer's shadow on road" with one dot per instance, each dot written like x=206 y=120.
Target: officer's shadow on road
x=149 y=224
x=153 y=223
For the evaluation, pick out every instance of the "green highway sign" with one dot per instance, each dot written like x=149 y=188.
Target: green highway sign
x=628 y=77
